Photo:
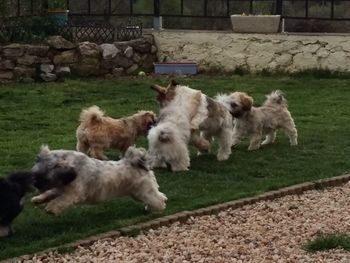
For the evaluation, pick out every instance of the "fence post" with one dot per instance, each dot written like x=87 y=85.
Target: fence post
x=157 y=19
x=279 y=6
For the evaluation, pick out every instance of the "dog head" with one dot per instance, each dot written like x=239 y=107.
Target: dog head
x=138 y=158
x=53 y=169
x=165 y=94
x=237 y=103
x=148 y=119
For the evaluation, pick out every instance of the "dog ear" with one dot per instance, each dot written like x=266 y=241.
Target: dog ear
x=65 y=176
x=159 y=89
x=247 y=101
x=174 y=83
x=44 y=149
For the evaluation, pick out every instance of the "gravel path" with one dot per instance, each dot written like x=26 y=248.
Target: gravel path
x=268 y=231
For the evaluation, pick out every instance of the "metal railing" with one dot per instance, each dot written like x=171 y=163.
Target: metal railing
x=296 y=9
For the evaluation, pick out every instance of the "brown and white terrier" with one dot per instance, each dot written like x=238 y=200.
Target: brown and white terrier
x=184 y=113
x=98 y=132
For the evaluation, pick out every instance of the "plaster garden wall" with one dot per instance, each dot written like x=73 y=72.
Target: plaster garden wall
x=225 y=51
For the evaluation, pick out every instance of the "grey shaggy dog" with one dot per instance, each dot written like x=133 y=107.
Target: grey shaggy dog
x=71 y=177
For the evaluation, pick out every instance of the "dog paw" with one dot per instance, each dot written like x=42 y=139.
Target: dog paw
x=53 y=210
x=253 y=148
x=222 y=157
x=266 y=142
x=37 y=200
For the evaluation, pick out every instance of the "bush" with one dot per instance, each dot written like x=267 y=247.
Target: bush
x=30 y=29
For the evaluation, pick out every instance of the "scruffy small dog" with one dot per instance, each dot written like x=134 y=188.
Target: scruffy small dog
x=12 y=191
x=256 y=122
x=184 y=113
x=97 y=132
x=70 y=177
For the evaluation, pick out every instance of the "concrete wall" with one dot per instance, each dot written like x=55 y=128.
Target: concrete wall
x=226 y=51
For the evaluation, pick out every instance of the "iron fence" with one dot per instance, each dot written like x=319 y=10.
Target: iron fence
x=296 y=9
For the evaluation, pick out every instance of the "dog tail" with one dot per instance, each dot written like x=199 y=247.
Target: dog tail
x=139 y=158
x=23 y=181
x=276 y=98
x=91 y=115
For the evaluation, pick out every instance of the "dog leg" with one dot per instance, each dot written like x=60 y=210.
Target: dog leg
x=5 y=231
x=159 y=163
x=255 y=142
x=225 y=142
x=236 y=139
x=68 y=198
x=293 y=136
x=180 y=165
x=59 y=204
x=200 y=142
x=97 y=153
x=82 y=146
x=270 y=138
x=153 y=200
x=46 y=196
x=292 y=133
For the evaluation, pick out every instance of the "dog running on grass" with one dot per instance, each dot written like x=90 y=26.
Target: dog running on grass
x=98 y=132
x=71 y=177
x=256 y=122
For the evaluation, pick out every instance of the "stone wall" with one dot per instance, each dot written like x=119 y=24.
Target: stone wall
x=225 y=51
x=59 y=57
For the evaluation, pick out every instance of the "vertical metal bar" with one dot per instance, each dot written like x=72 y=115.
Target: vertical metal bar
x=18 y=8
x=131 y=7
x=279 y=6
x=182 y=7
x=31 y=7
x=67 y=4
x=205 y=8
x=306 y=8
x=156 y=8
x=251 y=7
x=89 y=7
x=332 y=9
x=228 y=8
x=109 y=7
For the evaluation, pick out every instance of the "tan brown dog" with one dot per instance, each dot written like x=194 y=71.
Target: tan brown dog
x=97 y=132
x=257 y=122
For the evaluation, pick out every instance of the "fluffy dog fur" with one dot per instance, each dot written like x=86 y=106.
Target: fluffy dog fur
x=256 y=122
x=184 y=112
x=12 y=191
x=97 y=132
x=72 y=177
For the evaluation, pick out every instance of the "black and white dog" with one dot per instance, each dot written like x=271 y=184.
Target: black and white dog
x=12 y=191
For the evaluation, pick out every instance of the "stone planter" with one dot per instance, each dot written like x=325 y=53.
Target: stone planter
x=255 y=23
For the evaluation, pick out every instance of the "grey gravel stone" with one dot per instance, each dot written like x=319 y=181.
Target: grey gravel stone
x=267 y=231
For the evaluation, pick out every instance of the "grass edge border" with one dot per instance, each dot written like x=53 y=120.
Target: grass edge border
x=184 y=215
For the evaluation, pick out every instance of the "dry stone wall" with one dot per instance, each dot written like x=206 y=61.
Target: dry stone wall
x=255 y=52
x=59 y=57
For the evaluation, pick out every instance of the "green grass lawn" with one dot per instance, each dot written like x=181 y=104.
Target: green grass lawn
x=330 y=241
x=37 y=114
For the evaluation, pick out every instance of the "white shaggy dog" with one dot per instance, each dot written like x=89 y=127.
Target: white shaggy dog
x=256 y=122
x=184 y=112
x=70 y=177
